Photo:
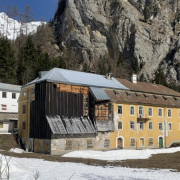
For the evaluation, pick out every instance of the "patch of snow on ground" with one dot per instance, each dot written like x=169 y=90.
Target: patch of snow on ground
x=16 y=150
x=24 y=169
x=115 y=155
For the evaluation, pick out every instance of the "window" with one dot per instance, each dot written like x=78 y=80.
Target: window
x=150 y=111
x=141 y=125
x=13 y=95
x=141 y=111
x=107 y=143
x=24 y=92
x=150 y=125
x=24 y=109
x=3 y=107
x=23 y=125
x=4 y=94
x=132 y=142
x=141 y=142
x=150 y=143
x=1 y=124
x=131 y=110
x=160 y=126
x=132 y=125
x=120 y=110
x=120 y=125
x=169 y=113
x=160 y=112
x=32 y=91
x=170 y=126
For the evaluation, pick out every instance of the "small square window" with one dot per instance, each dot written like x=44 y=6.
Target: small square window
x=3 y=107
x=169 y=113
x=141 y=125
x=4 y=94
x=132 y=142
x=23 y=125
x=132 y=110
x=120 y=110
x=13 y=95
x=24 y=109
x=141 y=142
x=170 y=126
x=160 y=112
x=150 y=111
x=150 y=143
x=1 y=124
x=132 y=125
x=160 y=126
x=120 y=125
x=150 y=125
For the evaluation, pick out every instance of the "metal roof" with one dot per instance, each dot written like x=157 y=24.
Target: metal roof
x=8 y=116
x=71 y=126
x=10 y=87
x=99 y=94
x=78 y=78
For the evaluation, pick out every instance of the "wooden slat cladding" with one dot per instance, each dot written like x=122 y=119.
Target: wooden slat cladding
x=66 y=100
x=39 y=127
x=102 y=111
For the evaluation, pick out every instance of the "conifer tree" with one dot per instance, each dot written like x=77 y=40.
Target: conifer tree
x=7 y=62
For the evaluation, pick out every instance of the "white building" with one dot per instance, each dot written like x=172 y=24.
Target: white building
x=9 y=95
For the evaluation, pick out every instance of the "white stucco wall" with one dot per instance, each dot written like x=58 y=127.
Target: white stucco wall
x=5 y=127
x=12 y=104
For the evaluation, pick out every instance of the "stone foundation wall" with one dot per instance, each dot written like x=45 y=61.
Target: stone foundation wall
x=42 y=146
x=59 y=144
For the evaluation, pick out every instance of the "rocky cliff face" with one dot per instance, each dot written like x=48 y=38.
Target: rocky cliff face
x=143 y=31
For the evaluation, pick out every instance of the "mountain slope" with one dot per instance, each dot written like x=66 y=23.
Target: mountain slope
x=11 y=28
x=94 y=29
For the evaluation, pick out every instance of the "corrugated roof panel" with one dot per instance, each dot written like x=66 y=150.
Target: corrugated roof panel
x=79 y=78
x=8 y=116
x=99 y=94
x=10 y=87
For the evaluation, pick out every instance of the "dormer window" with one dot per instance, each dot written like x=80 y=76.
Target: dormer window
x=146 y=96
x=164 y=97
x=137 y=95
x=175 y=98
x=155 y=96
x=128 y=94
x=116 y=92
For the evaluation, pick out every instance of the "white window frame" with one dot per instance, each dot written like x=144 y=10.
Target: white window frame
x=168 y=126
x=134 y=142
x=152 y=126
x=141 y=110
x=161 y=112
x=141 y=122
x=140 y=141
x=151 y=111
x=118 y=109
x=118 y=125
x=162 y=126
x=170 y=113
x=153 y=141
x=134 y=111
x=130 y=125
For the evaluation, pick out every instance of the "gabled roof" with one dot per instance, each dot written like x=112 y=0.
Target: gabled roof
x=148 y=88
x=58 y=75
x=10 y=87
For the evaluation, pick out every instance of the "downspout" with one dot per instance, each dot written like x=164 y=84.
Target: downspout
x=165 y=127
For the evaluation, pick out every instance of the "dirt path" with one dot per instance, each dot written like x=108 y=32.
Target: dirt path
x=158 y=161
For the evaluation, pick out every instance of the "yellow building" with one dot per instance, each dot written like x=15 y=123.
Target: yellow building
x=145 y=116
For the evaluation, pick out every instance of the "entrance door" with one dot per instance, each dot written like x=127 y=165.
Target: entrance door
x=120 y=143
x=160 y=142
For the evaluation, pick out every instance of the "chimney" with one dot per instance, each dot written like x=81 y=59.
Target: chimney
x=109 y=76
x=42 y=73
x=134 y=78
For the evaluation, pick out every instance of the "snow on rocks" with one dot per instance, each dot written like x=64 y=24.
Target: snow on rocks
x=11 y=28
x=116 y=155
x=16 y=150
